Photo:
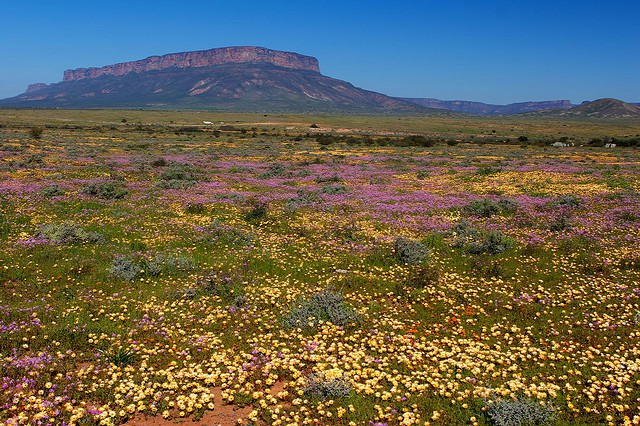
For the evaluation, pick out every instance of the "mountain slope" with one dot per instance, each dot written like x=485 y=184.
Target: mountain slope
x=242 y=79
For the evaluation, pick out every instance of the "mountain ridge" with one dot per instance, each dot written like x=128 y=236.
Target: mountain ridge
x=481 y=108
x=603 y=108
x=251 y=78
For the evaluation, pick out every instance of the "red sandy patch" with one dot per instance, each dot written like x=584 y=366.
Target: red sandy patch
x=222 y=415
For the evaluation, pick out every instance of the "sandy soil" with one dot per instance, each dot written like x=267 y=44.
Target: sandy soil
x=221 y=415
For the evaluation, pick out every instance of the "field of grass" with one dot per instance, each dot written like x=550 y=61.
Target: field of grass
x=151 y=265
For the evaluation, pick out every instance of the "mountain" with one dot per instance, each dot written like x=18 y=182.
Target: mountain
x=230 y=78
x=603 y=108
x=470 y=107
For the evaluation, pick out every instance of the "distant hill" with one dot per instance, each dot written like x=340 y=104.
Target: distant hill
x=232 y=78
x=603 y=108
x=470 y=107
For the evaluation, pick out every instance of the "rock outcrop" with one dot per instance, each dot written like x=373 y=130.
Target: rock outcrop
x=200 y=58
x=35 y=87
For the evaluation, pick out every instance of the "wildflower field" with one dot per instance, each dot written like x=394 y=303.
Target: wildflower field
x=342 y=271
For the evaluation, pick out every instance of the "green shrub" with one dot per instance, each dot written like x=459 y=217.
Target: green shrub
x=220 y=233
x=334 y=189
x=560 y=223
x=195 y=208
x=488 y=208
x=257 y=212
x=226 y=286
x=175 y=184
x=274 y=170
x=51 y=191
x=422 y=276
x=159 y=162
x=567 y=200
x=302 y=198
x=181 y=172
x=491 y=242
x=105 y=190
x=475 y=241
x=36 y=132
x=120 y=357
x=423 y=174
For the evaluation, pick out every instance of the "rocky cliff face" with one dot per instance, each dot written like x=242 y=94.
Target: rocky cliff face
x=201 y=58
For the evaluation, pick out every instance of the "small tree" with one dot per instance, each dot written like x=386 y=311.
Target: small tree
x=36 y=132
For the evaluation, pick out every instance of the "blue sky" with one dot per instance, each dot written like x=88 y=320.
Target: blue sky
x=490 y=51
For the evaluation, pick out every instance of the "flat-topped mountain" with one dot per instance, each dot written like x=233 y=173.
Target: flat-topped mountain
x=470 y=107
x=229 y=78
x=201 y=58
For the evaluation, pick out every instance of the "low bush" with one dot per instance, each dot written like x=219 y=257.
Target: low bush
x=226 y=286
x=487 y=207
x=168 y=264
x=568 y=200
x=68 y=234
x=220 y=233
x=195 y=208
x=51 y=191
x=36 y=132
x=334 y=189
x=129 y=269
x=562 y=222
x=159 y=162
x=257 y=212
x=125 y=268
x=302 y=198
x=175 y=184
x=181 y=172
x=475 y=241
x=274 y=170
x=519 y=412
x=326 y=305
x=321 y=387
x=422 y=276
x=120 y=357
x=410 y=251
x=105 y=190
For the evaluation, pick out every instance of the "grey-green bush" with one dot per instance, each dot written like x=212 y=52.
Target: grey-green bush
x=410 y=251
x=326 y=305
x=519 y=412
x=68 y=233
x=320 y=388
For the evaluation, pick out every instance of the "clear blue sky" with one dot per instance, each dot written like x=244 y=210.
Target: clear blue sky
x=490 y=51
